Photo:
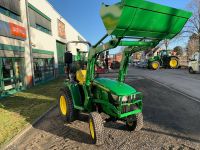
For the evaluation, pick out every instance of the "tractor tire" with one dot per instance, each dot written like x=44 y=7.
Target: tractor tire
x=174 y=63
x=191 y=71
x=135 y=125
x=96 y=128
x=66 y=106
x=155 y=65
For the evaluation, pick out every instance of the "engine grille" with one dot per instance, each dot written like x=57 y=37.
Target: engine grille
x=128 y=108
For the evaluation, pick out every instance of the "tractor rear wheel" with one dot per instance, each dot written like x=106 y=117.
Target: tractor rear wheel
x=96 y=128
x=173 y=63
x=155 y=65
x=135 y=123
x=66 y=106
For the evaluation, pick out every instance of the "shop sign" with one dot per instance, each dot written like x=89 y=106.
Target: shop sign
x=17 y=31
x=61 y=29
x=12 y=30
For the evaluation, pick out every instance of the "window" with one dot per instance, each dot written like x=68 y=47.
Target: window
x=39 y=20
x=12 y=73
x=43 y=69
x=11 y=8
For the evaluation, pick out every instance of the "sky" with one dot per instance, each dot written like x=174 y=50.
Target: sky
x=84 y=16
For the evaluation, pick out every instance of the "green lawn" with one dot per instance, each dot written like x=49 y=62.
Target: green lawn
x=21 y=109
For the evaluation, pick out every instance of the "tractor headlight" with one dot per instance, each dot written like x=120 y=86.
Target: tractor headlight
x=137 y=96
x=124 y=99
x=115 y=97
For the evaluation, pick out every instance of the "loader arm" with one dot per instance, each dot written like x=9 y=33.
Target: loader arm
x=133 y=47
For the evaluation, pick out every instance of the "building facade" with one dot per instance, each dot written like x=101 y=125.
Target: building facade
x=33 y=39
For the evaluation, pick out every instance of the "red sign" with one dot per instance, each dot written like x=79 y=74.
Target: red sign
x=17 y=31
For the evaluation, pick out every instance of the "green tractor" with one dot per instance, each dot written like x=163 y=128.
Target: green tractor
x=137 y=25
x=163 y=59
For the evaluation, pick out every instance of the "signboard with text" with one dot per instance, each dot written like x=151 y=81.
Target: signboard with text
x=12 y=30
x=17 y=31
x=61 y=29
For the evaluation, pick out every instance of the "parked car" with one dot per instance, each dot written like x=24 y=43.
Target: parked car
x=142 y=64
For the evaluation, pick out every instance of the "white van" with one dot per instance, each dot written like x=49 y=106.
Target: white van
x=194 y=63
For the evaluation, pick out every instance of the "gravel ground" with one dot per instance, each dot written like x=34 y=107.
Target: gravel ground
x=171 y=122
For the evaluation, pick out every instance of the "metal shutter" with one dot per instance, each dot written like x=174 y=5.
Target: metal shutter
x=36 y=18
x=40 y=20
x=32 y=17
x=12 y=5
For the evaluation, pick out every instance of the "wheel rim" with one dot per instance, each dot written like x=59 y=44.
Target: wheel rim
x=63 y=105
x=155 y=65
x=130 y=123
x=173 y=63
x=91 y=128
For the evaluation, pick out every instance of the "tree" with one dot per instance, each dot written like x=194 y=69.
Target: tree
x=193 y=45
x=193 y=26
x=178 y=50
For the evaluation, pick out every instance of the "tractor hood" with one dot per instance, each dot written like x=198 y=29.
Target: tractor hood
x=115 y=87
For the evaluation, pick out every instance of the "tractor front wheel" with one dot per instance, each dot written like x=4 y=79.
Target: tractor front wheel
x=135 y=123
x=96 y=128
x=155 y=65
x=66 y=106
x=173 y=63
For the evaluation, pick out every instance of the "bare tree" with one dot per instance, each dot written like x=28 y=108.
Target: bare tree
x=192 y=29
x=178 y=50
x=193 y=44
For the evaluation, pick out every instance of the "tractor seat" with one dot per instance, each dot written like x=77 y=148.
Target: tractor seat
x=80 y=76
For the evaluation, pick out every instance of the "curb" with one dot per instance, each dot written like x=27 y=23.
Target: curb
x=29 y=127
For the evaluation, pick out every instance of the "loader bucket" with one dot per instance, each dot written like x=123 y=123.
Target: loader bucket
x=140 y=18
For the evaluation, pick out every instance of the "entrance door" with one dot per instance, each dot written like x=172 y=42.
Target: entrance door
x=8 y=74
x=60 y=54
x=18 y=65
x=11 y=75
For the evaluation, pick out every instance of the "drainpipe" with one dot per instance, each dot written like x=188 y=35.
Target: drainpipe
x=29 y=42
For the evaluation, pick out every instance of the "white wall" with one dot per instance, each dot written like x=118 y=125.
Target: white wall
x=39 y=39
x=9 y=41
x=44 y=41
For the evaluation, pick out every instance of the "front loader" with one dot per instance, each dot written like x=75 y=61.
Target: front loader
x=137 y=25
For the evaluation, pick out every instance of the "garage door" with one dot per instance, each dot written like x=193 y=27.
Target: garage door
x=60 y=54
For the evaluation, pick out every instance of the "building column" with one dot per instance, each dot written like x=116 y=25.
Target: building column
x=29 y=71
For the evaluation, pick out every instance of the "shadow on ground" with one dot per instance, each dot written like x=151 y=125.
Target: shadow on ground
x=58 y=127
x=22 y=108
x=32 y=102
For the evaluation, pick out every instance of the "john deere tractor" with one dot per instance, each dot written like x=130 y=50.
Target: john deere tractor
x=163 y=59
x=137 y=25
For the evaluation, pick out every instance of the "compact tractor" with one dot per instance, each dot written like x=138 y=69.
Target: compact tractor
x=163 y=59
x=137 y=25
